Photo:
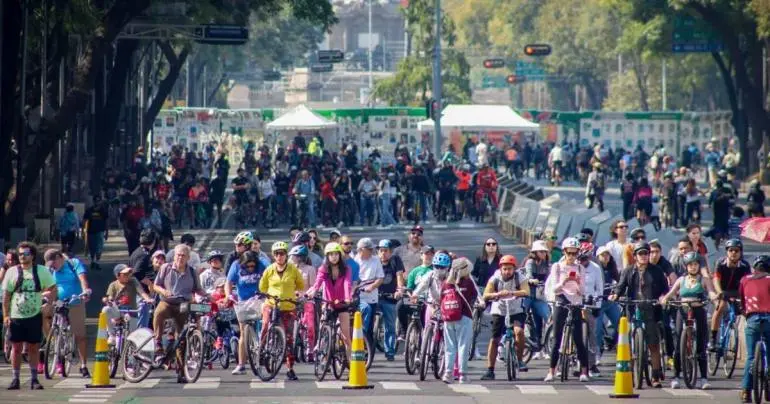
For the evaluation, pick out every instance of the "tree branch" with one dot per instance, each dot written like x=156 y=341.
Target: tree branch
x=164 y=88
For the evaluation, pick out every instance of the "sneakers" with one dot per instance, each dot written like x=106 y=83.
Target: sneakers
x=594 y=371
x=675 y=383
x=463 y=379
x=390 y=358
x=448 y=379
x=59 y=368
x=239 y=370
x=34 y=384
x=584 y=378
x=84 y=372
x=15 y=385
x=180 y=378
x=537 y=355
x=548 y=377
x=598 y=360
x=489 y=375
x=290 y=375
x=523 y=367
x=745 y=396
x=40 y=368
x=703 y=384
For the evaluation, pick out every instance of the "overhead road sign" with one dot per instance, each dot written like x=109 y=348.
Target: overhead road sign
x=331 y=56
x=215 y=34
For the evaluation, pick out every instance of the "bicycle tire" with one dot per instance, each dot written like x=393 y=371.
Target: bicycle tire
x=272 y=353
x=50 y=356
x=687 y=358
x=252 y=348
x=114 y=355
x=639 y=357
x=69 y=356
x=193 y=354
x=564 y=353
x=340 y=358
x=510 y=356
x=478 y=315
x=438 y=359
x=130 y=350
x=548 y=339
x=663 y=348
x=323 y=353
x=730 y=362
x=379 y=333
x=369 y=349
x=425 y=349
x=224 y=357
x=758 y=374
x=7 y=345
x=412 y=347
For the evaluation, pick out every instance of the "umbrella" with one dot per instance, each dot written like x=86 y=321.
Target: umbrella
x=757 y=229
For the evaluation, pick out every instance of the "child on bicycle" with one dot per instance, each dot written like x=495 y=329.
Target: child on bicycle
x=122 y=292
x=219 y=302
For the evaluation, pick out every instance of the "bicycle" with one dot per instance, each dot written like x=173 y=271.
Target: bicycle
x=330 y=350
x=412 y=341
x=509 y=345
x=379 y=327
x=567 y=350
x=60 y=346
x=223 y=352
x=121 y=330
x=301 y=343
x=249 y=315
x=302 y=209
x=760 y=369
x=640 y=362
x=7 y=344
x=272 y=347
x=432 y=346
x=728 y=344
x=478 y=324
x=139 y=357
x=688 y=355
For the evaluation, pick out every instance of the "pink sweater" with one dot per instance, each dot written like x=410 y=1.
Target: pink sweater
x=573 y=290
x=333 y=290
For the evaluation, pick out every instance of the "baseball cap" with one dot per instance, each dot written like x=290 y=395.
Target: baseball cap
x=157 y=253
x=418 y=228
x=384 y=243
x=335 y=232
x=601 y=250
x=365 y=242
x=120 y=269
x=427 y=249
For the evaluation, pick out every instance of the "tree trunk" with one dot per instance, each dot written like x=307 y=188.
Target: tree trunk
x=165 y=86
x=10 y=35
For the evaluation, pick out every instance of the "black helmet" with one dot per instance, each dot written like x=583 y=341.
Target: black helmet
x=249 y=256
x=734 y=243
x=583 y=238
x=762 y=263
x=301 y=238
x=214 y=254
x=690 y=257
x=641 y=246
x=147 y=237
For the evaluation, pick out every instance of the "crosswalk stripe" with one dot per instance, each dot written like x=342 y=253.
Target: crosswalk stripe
x=259 y=384
x=70 y=384
x=203 y=383
x=79 y=395
x=399 y=386
x=468 y=388
x=144 y=384
x=87 y=400
x=687 y=393
x=331 y=385
x=536 y=390
x=601 y=390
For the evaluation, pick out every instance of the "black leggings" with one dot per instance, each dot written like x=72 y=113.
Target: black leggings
x=559 y=321
x=701 y=336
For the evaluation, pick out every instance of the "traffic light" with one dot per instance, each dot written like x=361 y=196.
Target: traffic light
x=493 y=63
x=537 y=50
x=514 y=79
x=432 y=108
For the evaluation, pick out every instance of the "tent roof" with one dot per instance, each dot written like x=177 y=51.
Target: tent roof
x=301 y=118
x=481 y=118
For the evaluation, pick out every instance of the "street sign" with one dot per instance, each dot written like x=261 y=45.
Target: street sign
x=694 y=35
x=331 y=56
x=271 y=75
x=494 y=63
x=215 y=34
x=321 y=67
x=537 y=49
x=532 y=71
x=493 y=82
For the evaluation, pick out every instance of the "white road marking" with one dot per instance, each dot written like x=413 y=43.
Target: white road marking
x=687 y=393
x=601 y=390
x=144 y=384
x=331 y=385
x=468 y=388
x=203 y=383
x=536 y=390
x=259 y=384
x=399 y=386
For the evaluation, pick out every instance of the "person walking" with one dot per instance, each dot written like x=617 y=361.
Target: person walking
x=458 y=328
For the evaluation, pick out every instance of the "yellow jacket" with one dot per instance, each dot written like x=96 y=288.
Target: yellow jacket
x=285 y=285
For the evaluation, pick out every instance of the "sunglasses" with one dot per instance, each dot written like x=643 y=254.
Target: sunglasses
x=417 y=233
x=640 y=237
x=624 y=226
x=279 y=253
x=643 y=253
x=25 y=253
x=348 y=243
x=491 y=243
x=570 y=253
x=440 y=268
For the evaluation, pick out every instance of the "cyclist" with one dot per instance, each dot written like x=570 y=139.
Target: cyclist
x=637 y=235
x=347 y=248
x=509 y=285
x=123 y=292
x=242 y=243
x=391 y=289
x=411 y=252
x=645 y=281
x=728 y=273
x=692 y=287
x=486 y=182
x=567 y=284
x=418 y=273
x=23 y=290
x=303 y=238
x=256 y=246
x=214 y=272
x=754 y=293
x=281 y=279
x=616 y=246
x=245 y=277
x=463 y=185
x=195 y=259
x=554 y=252
x=487 y=263
x=71 y=280
x=555 y=162
x=537 y=268
x=594 y=285
x=240 y=185
x=334 y=276
x=372 y=273
x=298 y=257
x=176 y=283
x=306 y=186
x=431 y=282
x=610 y=275
x=141 y=260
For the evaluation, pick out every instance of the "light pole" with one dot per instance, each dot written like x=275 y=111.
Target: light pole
x=437 y=84
x=371 y=80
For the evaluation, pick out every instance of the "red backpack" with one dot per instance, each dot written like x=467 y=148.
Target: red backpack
x=451 y=302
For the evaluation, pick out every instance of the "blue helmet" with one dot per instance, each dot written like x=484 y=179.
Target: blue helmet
x=300 y=250
x=441 y=260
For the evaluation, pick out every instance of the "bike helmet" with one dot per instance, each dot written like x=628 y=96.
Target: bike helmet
x=570 y=242
x=539 y=245
x=733 y=243
x=333 y=247
x=441 y=260
x=508 y=260
x=300 y=250
x=244 y=237
x=641 y=246
x=583 y=238
x=762 y=263
x=214 y=254
x=586 y=250
x=279 y=246
x=301 y=238
x=690 y=257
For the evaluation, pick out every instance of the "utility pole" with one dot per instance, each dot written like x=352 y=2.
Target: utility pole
x=437 y=84
x=371 y=80
x=663 y=85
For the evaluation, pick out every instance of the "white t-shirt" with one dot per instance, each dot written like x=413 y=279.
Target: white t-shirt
x=594 y=281
x=616 y=250
x=370 y=269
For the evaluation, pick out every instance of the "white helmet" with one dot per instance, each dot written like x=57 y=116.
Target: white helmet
x=539 y=245
x=570 y=242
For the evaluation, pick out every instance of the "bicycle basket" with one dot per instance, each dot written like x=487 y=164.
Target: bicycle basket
x=249 y=310
x=199 y=308
x=226 y=315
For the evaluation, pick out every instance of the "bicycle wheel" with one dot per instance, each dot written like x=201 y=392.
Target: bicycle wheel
x=323 y=353
x=478 y=315
x=369 y=349
x=272 y=353
x=510 y=359
x=339 y=358
x=6 y=345
x=379 y=333
x=132 y=365
x=68 y=352
x=50 y=353
x=687 y=357
x=565 y=352
x=758 y=374
x=252 y=348
x=639 y=358
x=731 y=354
x=714 y=358
x=234 y=348
x=412 y=349
x=425 y=350
x=114 y=356
x=438 y=359
x=549 y=339
x=193 y=356
x=224 y=356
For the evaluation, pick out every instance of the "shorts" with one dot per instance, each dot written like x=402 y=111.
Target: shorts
x=498 y=323
x=29 y=330
x=76 y=317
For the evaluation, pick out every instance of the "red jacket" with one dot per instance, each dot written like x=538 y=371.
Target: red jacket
x=755 y=294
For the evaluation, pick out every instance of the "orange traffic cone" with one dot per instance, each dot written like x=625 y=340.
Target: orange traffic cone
x=624 y=387
x=357 y=379
x=101 y=376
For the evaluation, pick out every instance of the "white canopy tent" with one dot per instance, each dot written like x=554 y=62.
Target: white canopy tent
x=477 y=118
x=300 y=118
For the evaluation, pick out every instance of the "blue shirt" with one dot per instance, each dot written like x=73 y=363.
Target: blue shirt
x=354 y=269
x=246 y=284
x=67 y=278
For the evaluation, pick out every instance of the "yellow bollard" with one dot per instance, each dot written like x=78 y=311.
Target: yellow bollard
x=101 y=375
x=357 y=378
x=624 y=386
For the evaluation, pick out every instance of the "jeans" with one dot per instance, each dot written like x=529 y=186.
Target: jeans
x=386 y=216
x=367 y=316
x=144 y=317
x=457 y=338
x=423 y=203
x=612 y=311
x=753 y=324
x=540 y=312
x=389 y=322
x=366 y=209
x=95 y=244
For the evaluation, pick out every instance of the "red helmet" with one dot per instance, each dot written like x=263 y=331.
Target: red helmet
x=586 y=249
x=508 y=260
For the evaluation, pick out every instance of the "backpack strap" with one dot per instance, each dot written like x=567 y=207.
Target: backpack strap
x=20 y=279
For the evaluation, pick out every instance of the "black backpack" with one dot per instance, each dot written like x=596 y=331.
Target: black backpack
x=20 y=279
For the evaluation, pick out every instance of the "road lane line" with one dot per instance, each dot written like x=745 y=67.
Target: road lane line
x=468 y=388
x=203 y=383
x=536 y=390
x=399 y=386
x=259 y=384
x=144 y=384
